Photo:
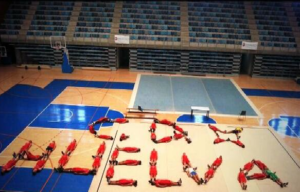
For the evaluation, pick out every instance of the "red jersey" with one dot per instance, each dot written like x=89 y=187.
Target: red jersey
x=153 y=126
x=110 y=172
x=153 y=171
x=131 y=162
x=259 y=176
x=260 y=165
x=101 y=149
x=217 y=162
x=125 y=182
x=40 y=164
x=120 y=120
x=165 y=139
x=177 y=128
x=239 y=143
x=210 y=173
x=185 y=160
x=32 y=157
x=10 y=164
x=80 y=171
x=163 y=183
x=242 y=177
x=248 y=166
x=102 y=120
x=123 y=137
x=178 y=136
x=97 y=162
x=153 y=155
x=71 y=146
x=63 y=160
x=153 y=136
x=52 y=145
x=215 y=129
x=105 y=137
x=92 y=130
x=131 y=149
x=218 y=140
x=115 y=154
x=166 y=122
x=25 y=147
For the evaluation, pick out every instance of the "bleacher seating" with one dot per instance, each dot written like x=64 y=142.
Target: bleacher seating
x=51 y=18
x=91 y=56
x=151 y=20
x=14 y=18
x=296 y=8
x=218 y=22
x=95 y=20
x=273 y=25
x=276 y=66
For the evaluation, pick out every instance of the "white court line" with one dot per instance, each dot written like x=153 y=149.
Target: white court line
x=134 y=92
x=172 y=94
x=208 y=96
x=32 y=121
x=247 y=99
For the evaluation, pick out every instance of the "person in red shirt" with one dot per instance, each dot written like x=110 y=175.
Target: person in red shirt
x=248 y=167
x=209 y=174
x=63 y=160
x=258 y=176
x=92 y=130
x=164 y=121
x=217 y=162
x=123 y=137
x=110 y=172
x=9 y=165
x=179 y=129
x=215 y=129
x=107 y=137
x=152 y=172
x=165 y=183
x=96 y=163
x=129 y=162
x=153 y=157
x=101 y=149
x=152 y=127
x=115 y=155
x=24 y=149
x=219 y=140
x=185 y=161
x=237 y=142
x=50 y=147
x=101 y=120
x=128 y=149
x=72 y=146
x=164 y=139
x=242 y=179
x=260 y=165
x=77 y=171
x=177 y=135
x=123 y=182
x=40 y=164
x=31 y=157
x=153 y=137
x=120 y=120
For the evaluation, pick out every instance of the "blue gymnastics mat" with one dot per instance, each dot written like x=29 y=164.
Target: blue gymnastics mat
x=178 y=94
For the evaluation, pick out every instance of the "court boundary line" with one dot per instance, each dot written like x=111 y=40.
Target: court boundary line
x=286 y=148
x=172 y=95
x=259 y=114
x=134 y=91
x=31 y=122
x=210 y=114
x=107 y=160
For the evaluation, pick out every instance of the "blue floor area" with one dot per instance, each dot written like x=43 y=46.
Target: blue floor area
x=168 y=93
x=286 y=125
x=195 y=119
x=21 y=179
x=272 y=93
x=73 y=117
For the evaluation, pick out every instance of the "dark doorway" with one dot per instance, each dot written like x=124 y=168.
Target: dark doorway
x=123 y=58
x=246 y=63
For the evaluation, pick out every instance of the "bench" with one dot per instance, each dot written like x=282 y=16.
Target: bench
x=135 y=110
x=198 y=108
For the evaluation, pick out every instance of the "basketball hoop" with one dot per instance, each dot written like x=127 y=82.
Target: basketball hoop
x=58 y=42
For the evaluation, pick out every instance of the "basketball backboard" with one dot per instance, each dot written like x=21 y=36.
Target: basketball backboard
x=58 y=42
